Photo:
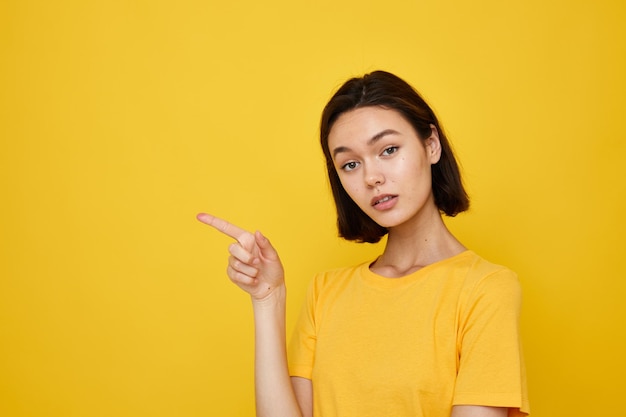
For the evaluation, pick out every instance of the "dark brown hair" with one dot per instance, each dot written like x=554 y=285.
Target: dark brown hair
x=383 y=89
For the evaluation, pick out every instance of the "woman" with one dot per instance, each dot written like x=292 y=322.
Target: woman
x=428 y=328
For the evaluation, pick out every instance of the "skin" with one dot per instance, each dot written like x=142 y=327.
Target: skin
x=254 y=266
x=377 y=152
x=379 y=157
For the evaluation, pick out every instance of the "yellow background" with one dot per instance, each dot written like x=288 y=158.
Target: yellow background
x=119 y=120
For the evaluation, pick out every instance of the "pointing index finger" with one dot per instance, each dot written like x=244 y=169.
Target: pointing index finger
x=222 y=226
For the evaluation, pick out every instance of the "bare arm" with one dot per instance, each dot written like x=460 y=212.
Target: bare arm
x=274 y=394
x=304 y=394
x=254 y=266
x=478 y=411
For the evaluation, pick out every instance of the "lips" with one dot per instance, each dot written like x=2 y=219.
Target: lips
x=382 y=200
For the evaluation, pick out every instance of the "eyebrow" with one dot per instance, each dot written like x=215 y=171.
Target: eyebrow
x=370 y=142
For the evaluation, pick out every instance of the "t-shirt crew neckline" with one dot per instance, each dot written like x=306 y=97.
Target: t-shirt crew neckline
x=376 y=280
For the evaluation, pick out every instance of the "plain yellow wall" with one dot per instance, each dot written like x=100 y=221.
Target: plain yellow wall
x=119 y=120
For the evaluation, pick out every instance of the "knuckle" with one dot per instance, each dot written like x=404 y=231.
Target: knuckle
x=236 y=276
x=234 y=263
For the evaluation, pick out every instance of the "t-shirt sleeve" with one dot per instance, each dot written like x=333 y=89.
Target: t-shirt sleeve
x=301 y=349
x=491 y=367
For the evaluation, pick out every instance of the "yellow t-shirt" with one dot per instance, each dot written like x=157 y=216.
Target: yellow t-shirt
x=415 y=346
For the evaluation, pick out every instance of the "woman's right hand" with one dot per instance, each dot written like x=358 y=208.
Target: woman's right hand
x=253 y=265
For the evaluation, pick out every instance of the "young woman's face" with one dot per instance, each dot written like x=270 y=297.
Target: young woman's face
x=383 y=165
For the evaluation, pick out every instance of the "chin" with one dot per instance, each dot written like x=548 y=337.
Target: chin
x=388 y=223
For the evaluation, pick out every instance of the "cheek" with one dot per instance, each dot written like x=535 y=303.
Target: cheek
x=351 y=187
x=416 y=176
x=354 y=190
x=405 y=172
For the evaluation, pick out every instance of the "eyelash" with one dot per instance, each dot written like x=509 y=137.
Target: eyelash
x=394 y=148
x=352 y=165
x=346 y=167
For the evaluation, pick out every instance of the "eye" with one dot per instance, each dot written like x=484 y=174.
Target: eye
x=390 y=150
x=350 y=166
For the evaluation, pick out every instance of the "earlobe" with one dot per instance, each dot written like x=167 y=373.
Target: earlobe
x=434 y=145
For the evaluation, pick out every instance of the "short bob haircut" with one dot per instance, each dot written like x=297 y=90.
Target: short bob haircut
x=383 y=89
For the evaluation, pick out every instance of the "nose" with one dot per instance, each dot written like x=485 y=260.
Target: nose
x=373 y=176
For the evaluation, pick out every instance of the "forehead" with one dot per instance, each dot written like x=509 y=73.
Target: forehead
x=364 y=123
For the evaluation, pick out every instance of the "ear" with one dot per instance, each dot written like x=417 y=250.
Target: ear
x=433 y=145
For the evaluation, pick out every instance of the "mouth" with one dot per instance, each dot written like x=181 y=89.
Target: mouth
x=382 y=199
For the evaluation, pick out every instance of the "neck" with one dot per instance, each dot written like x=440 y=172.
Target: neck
x=416 y=244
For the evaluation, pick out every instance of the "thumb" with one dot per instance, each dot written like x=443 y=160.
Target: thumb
x=266 y=249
